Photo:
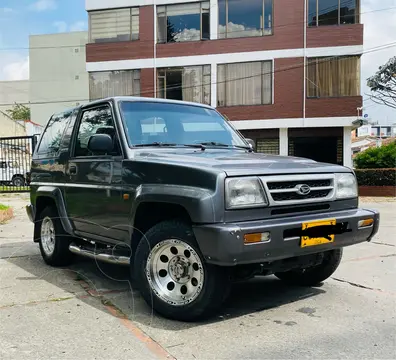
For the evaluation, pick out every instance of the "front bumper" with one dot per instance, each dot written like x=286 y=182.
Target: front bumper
x=223 y=244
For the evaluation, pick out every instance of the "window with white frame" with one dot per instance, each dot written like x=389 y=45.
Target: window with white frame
x=243 y=18
x=114 y=25
x=248 y=83
x=333 y=12
x=183 y=22
x=104 y=84
x=333 y=76
x=190 y=83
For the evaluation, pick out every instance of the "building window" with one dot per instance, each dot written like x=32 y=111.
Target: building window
x=191 y=83
x=333 y=76
x=183 y=22
x=241 y=18
x=268 y=146
x=244 y=83
x=333 y=12
x=114 y=83
x=114 y=25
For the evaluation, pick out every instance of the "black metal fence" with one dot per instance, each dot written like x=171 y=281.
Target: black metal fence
x=15 y=159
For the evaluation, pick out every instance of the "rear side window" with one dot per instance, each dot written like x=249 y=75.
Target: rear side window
x=52 y=137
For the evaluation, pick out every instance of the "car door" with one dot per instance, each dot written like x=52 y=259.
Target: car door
x=93 y=192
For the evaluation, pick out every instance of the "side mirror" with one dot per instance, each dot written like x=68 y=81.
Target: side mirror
x=251 y=143
x=100 y=143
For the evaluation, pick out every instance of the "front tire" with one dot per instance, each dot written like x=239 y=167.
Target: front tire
x=54 y=242
x=316 y=274
x=173 y=277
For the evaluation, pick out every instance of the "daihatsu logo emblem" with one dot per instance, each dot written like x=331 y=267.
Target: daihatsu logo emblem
x=303 y=189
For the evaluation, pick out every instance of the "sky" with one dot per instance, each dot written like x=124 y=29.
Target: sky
x=21 y=18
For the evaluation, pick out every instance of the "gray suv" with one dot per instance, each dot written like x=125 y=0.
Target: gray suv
x=173 y=191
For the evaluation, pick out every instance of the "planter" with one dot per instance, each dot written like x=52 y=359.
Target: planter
x=383 y=191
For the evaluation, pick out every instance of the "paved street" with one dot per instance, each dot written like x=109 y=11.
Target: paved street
x=91 y=310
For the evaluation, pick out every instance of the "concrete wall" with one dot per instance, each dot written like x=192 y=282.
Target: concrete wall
x=9 y=127
x=58 y=78
x=12 y=92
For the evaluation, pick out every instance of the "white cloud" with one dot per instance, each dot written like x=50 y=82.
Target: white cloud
x=62 y=26
x=78 y=26
x=14 y=66
x=43 y=5
x=6 y=10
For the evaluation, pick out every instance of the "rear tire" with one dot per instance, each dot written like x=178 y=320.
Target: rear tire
x=172 y=276
x=316 y=274
x=18 y=181
x=53 y=241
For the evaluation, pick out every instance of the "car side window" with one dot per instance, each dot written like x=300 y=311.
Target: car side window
x=52 y=137
x=68 y=132
x=96 y=121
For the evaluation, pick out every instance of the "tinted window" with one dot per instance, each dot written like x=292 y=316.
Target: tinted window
x=183 y=22
x=241 y=18
x=147 y=123
x=51 y=139
x=66 y=140
x=95 y=121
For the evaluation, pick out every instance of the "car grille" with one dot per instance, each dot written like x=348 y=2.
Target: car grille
x=298 y=189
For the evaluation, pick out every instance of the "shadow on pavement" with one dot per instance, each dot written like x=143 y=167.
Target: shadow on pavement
x=111 y=286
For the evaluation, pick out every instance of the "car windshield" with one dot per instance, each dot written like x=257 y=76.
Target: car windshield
x=159 y=123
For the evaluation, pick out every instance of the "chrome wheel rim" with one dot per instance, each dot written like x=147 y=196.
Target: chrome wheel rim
x=175 y=273
x=48 y=236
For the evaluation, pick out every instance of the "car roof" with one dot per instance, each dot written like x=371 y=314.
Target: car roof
x=145 y=99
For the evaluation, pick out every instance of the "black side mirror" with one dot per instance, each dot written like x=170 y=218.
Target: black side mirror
x=251 y=143
x=100 y=143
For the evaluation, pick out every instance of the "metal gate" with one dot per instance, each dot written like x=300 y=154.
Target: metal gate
x=15 y=159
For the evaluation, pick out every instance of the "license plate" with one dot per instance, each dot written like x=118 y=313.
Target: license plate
x=313 y=241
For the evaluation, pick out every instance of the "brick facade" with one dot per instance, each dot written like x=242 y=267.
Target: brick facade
x=285 y=47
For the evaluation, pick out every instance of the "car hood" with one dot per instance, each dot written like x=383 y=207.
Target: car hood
x=236 y=162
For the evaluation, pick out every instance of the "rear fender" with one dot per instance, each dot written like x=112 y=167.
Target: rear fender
x=56 y=195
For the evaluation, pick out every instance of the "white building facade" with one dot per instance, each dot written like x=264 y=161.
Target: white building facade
x=58 y=78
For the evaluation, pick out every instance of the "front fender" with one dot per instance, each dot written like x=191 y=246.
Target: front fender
x=56 y=195
x=199 y=203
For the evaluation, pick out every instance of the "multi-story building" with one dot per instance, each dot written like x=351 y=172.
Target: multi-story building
x=284 y=72
x=58 y=78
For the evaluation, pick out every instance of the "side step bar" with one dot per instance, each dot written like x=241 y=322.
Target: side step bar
x=109 y=258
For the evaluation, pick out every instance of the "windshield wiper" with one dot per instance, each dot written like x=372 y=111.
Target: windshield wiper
x=214 y=143
x=155 y=144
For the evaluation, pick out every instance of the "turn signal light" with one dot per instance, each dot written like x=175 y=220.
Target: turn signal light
x=365 y=223
x=257 y=238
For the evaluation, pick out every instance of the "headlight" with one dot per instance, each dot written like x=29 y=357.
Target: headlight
x=346 y=186
x=244 y=192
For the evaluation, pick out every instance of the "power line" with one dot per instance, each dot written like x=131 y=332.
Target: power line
x=229 y=32
x=150 y=91
x=177 y=85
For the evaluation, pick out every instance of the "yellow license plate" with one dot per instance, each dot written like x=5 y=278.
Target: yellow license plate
x=313 y=241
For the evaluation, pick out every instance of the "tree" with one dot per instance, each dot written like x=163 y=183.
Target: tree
x=383 y=84
x=170 y=32
x=383 y=157
x=19 y=112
